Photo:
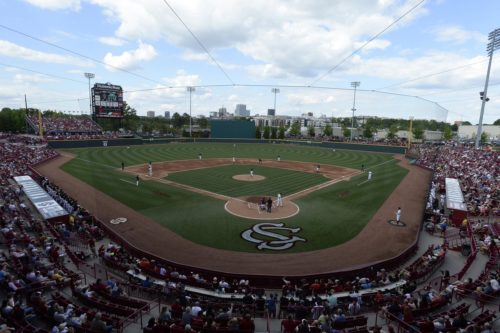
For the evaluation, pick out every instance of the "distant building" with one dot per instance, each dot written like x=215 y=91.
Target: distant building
x=222 y=112
x=150 y=114
x=213 y=114
x=241 y=111
x=271 y=112
x=167 y=114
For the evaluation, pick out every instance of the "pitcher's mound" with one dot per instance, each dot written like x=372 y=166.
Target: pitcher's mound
x=248 y=178
x=248 y=207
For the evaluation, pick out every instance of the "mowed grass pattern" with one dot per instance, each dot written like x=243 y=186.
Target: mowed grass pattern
x=328 y=217
x=219 y=180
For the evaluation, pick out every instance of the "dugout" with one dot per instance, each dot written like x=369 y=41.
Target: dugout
x=228 y=129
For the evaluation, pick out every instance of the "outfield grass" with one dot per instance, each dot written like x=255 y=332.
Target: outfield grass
x=328 y=217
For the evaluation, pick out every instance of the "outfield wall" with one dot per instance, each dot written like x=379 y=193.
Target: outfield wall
x=62 y=144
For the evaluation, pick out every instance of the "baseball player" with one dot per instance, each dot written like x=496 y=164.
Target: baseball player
x=123 y=166
x=251 y=172
x=260 y=160
x=234 y=159
x=279 y=200
x=317 y=168
x=398 y=215
x=279 y=158
x=370 y=175
x=150 y=169
x=137 y=180
x=199 y=156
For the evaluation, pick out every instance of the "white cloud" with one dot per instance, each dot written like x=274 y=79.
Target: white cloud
x=13 y=50
x=56 y=4
x=111 y=41
x=458 y=35
x=35 y=78
x=130 y=59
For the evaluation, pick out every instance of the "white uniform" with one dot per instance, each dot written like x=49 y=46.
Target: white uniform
x=199 y=156
x=279 y=201
x=398 y=215
x=150 y=170
x=234 y=159
x=279 y=158
x=370 y=175
x=251 y=172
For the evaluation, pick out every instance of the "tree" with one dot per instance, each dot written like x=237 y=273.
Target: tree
x=447 y=133
x=274 y=130
x=484 y=137
x=295 y=129
x=368 y=132
x=311 y=131
x=418 y=133
x=497 y=122
x=258 y=133
x=466 y=123
x=177 y=120
x=346 y=132
x=393 y=129
x=267 y=132
x=454 y=127
x=281 y=133
x=202 y=122
x=327 y=131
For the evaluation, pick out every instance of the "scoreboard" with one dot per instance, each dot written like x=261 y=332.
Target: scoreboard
x=107 y=100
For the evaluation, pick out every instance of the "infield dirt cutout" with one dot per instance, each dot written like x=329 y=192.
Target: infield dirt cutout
x=249 y=207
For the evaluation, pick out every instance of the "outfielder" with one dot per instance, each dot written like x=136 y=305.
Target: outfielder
x=370 y=175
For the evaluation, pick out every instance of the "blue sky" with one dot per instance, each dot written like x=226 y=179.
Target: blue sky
x=259 y=44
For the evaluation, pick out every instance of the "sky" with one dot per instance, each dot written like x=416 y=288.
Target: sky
x=425 y=59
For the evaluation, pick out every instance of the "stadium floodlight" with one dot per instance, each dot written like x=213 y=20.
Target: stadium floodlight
x=493 y=45
x=90 y=76
x=355 y=85
x=275 y=91
x=190 y=89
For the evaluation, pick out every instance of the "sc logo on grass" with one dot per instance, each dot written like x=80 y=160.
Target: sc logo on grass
x=280 y=243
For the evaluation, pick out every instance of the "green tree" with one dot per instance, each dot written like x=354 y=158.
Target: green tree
x=368 y=132
x=454 y=127
x=266 y=132
x=176 y=120
x=295 y=129
x=281 y=133
x=418 y=133
x=393 y=129
x=497 y=122
x=447 y=133
x=274 y=131
x=346 y=131
x=327 y=131
x=202 y=122
x=484 y=137
x=466 y=123
x=258 y=133
x=311 y=131
x=12 y=120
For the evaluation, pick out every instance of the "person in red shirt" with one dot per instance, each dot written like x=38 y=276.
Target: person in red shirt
x=247 y=324
x=288 y=325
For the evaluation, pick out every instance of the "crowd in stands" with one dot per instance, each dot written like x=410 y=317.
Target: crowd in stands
x=477 y=170
x=34 y=265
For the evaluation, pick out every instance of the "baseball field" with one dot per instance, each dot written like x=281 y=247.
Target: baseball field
x=189 y=196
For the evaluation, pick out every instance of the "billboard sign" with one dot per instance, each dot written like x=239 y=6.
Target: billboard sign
x=107 y=100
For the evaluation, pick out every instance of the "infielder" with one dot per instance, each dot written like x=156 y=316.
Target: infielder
x=199 y=156
x=137 y=180
x=279 y=200
x=150 y=169
x=370 y=175
x=398 y=215
x=123 y=166
x=234 y=159
x=279 y=158
x=317 y=168
x=251 y=172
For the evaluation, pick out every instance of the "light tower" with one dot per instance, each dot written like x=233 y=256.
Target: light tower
x=275 y=91
x=90 y=76
x=493 y=45
x=355 y=85
x=191 y=90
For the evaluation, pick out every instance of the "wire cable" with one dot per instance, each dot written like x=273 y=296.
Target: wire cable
x=41 y=73
x=366 y=43
x=78 y=54
x=198 y=41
